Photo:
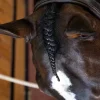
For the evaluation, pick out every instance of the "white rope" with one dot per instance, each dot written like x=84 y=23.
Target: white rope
x=17 y=81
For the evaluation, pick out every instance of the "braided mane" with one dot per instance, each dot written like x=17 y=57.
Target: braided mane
x=48 y=32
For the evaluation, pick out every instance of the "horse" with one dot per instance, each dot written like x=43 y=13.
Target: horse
x=65 y=42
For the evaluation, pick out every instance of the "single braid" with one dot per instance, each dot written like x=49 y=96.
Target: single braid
x=48 y=31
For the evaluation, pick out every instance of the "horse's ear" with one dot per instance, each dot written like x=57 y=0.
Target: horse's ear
x=21 y=28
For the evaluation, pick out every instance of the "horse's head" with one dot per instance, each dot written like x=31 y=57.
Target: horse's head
x=65 y=39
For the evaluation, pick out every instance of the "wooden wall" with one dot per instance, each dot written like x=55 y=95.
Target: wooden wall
x=5 y=49
x=13 y=57
x=9 y=91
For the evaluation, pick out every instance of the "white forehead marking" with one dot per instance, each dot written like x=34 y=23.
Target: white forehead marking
x=62 y=86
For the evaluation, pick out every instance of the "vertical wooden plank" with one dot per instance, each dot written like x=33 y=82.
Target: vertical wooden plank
x=5 y=66
x=19 y=69
x=6 y=12
x=20 y=9
x=20 y=56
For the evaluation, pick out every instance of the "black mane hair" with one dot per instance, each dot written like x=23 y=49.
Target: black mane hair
x=48 y=32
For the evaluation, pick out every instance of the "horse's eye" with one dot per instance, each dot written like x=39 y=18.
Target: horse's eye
x=80 y=27
x=87 y=36
x=84 y=36
x=80 y=35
